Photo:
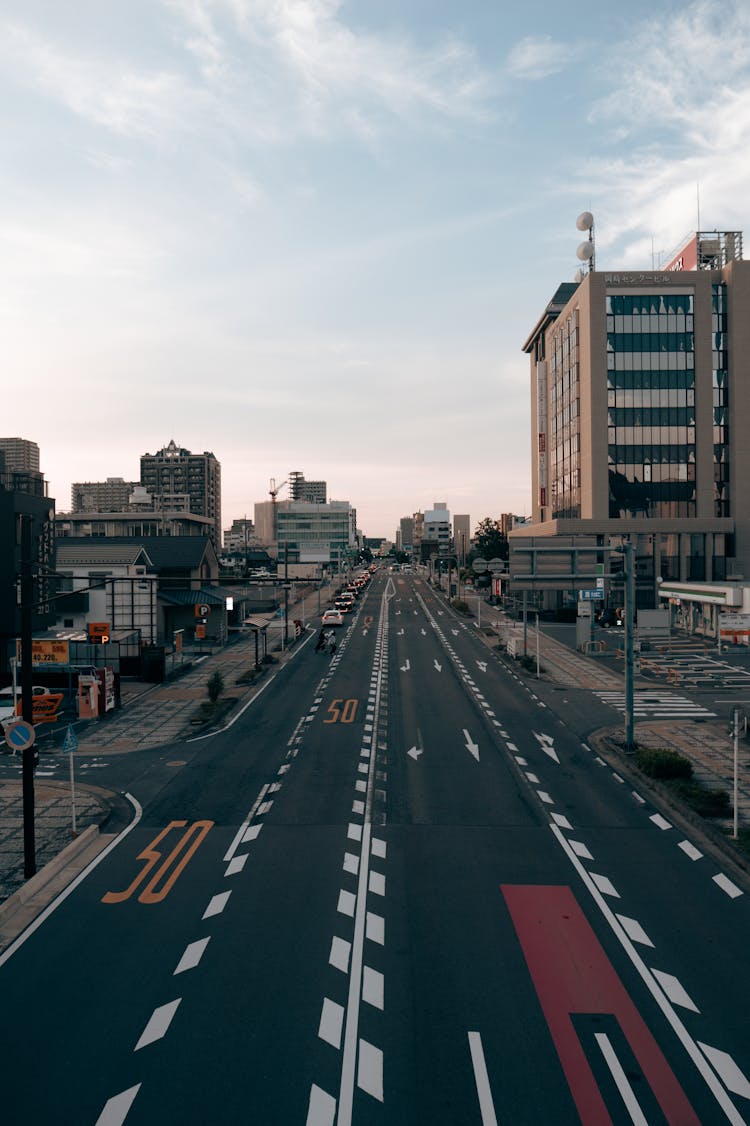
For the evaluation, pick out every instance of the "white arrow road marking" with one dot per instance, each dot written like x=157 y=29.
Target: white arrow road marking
x=482 y=665
x=438 y=667
x=440 y=613
x=414 y=752
x=400 y=633
x=471 y=747
x=545 y=742
x=424 y=633
x=364 y=633
x=406 y=667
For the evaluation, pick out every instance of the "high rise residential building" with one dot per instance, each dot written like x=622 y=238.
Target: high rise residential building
x=25 y=510
x=640 y=403
x=173 y=472
x=436 y=535
x=112 y=495
x=240 y=535
x=462 y=536
x=18 y=455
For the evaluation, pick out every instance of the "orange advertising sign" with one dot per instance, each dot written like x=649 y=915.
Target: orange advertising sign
x=98 y=632
x=200 y=632
x=46 y=652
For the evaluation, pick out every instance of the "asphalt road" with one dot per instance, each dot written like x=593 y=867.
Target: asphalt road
x=399 y=889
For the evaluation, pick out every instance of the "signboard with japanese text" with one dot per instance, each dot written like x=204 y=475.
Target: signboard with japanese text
x=98 y=632
x=46 y=652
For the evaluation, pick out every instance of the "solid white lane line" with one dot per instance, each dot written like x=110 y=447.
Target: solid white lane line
x=690 y=850
x=339 y=956
x=482 y=1080
x=731 y=1075
x=370 y=1070
x=331 y=1023
x=579 y=848
x=560 y=820
x=659 y=821
x=235 y=865
x=604 y=885
x=116 y=1109
x=688 y=1043
x=727 y=886
x=321 y=1110
x=623 y=1086
x=351 y=863
x=634 y=930
x=677 y=994
x=216 y=905
x=158 y=1024
x=375 y=928
x=373 y=987
x=191 y=956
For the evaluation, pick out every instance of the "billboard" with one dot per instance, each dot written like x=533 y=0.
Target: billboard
x=46 y=652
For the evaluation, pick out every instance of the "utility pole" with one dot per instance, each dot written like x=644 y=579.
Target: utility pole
x=286 y=594
x=629 y=629
x=27 y=678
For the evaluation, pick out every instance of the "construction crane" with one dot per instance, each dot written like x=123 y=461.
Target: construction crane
x=275 y=489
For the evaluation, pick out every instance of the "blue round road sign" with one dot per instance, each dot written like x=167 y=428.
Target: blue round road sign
x=19 y=734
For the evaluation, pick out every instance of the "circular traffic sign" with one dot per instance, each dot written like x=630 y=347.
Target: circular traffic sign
x=19 y=734
x=479 y=566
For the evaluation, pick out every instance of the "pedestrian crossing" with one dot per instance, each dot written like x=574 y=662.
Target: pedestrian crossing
x=657 y=705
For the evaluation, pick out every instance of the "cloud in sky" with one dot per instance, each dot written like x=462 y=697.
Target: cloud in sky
x=314 y=235
x=538 y=56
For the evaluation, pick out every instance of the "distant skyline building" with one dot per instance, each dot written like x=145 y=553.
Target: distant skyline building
x=173 y=471
x=405 y=534
x=315 y=492
x=436 y=535
x=112 y=495
x=19 y=455
x=462 y=536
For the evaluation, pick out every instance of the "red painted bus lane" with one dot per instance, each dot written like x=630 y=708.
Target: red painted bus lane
x=573 y=975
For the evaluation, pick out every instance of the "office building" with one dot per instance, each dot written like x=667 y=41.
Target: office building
x=25 y=510
x=315 y=533
x=405 y=534
x=640 y=403
x=462 y=536
x=174 y=472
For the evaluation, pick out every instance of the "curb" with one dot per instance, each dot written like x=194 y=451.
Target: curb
x=37 y=882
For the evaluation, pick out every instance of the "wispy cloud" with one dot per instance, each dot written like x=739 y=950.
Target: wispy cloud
x=680 y=102
x=538 y=56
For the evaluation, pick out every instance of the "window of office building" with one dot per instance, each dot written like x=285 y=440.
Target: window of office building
x=651 y=405
x=720 y=381
x=564 y=453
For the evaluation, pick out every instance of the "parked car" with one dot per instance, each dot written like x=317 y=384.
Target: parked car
x=332 y=618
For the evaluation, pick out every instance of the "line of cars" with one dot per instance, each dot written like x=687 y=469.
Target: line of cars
x=346 y=600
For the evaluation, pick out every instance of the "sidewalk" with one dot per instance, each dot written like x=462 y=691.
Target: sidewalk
x=150 y=716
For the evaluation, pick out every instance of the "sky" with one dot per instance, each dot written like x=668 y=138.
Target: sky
x=314 y=235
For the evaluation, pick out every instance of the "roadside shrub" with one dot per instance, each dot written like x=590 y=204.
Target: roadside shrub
x=215 y=686
x=460 y=605
x=658 y=762
x=701 y=799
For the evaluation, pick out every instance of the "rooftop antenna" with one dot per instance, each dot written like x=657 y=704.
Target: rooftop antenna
x=585 y=251
x=698 y=203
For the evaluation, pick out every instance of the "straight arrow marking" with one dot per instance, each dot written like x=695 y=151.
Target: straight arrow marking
x=438 y=667
x=406 y=667
x=545 y=742
x=471 y=747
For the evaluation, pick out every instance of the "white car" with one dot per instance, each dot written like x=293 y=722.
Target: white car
x=332 y=618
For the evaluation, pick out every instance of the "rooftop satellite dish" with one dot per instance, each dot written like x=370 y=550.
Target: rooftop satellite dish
x=585 y=221
x=585 y=251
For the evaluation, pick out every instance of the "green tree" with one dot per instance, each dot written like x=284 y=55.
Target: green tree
x=215 y=686
x=489 y=541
